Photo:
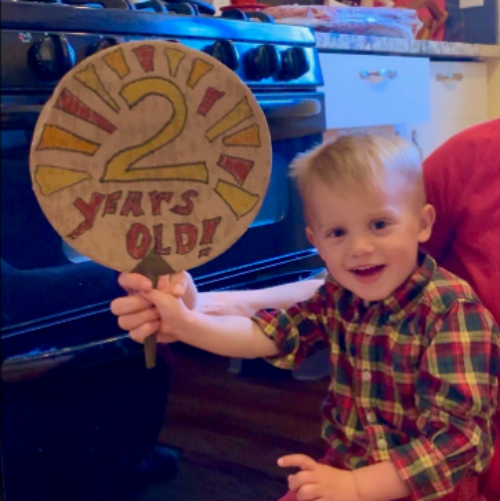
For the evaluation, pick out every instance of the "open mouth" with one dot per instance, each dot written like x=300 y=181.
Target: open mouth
x=367 y=271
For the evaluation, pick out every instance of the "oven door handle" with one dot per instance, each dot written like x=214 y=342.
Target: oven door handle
x=24 y=117
x=51 y=362
x=291 y=108
x=20 y=116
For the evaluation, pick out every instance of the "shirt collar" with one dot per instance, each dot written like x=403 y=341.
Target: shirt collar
x=402 y=300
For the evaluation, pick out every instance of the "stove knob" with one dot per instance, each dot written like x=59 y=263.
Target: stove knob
x=52 y=57
x=102 y=44
x=262 y=62
x=295 y=63
x=226 y=52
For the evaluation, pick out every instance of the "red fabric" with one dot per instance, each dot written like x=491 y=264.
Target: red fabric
x=423 y=13
x=462 y=180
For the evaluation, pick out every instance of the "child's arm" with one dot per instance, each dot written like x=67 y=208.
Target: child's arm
x=134 y=310
x=246 y=303
x=229 y=336
x=379 y=482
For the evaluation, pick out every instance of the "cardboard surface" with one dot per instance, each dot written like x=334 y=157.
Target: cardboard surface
x=151 y=151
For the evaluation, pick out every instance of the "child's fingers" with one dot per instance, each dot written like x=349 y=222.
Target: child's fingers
x=131 y=322
x=304 y=477
x=128 y=305
x=134 y=282
x=309 y=493
x=159 y=299
x=298 y=461
x=163 y=283
x=145 y=330
x=178 y=283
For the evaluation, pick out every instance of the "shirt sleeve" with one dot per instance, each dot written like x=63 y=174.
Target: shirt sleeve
x=456 y=392
x=299 y=331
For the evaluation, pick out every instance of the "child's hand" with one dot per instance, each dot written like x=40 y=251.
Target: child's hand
x=135 y=313
x=317 y=481
x=169 y=317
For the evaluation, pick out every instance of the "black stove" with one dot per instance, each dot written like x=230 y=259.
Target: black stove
x=42 y=41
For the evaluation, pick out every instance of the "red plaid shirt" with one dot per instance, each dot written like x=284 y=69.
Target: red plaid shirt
x=414 y=377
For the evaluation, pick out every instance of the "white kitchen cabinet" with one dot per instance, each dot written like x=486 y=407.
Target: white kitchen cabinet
x=458 y=99
x=370 y=90
x=426 y=101
x=428 y=136
x=458 y=90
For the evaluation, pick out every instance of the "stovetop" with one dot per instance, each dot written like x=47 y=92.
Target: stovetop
x=41 y=40
x=141 y=17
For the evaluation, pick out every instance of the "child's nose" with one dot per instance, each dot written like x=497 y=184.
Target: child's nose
x=361 y=245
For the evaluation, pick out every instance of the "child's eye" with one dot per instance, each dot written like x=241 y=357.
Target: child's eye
x=337 y=233
x=379 y=224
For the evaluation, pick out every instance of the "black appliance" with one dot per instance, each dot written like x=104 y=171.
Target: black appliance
x=78 y=406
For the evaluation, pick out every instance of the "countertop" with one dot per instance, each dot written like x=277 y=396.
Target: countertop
x=336 y=42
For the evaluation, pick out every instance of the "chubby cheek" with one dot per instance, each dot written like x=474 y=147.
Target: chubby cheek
x=332 y=257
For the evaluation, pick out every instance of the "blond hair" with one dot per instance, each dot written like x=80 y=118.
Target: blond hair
x=365 y=159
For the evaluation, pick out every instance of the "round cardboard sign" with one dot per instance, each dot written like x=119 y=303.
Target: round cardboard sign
x=151 y=150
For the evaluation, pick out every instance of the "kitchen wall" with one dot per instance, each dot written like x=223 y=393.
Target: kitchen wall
x=476 y=24
x=494 y=79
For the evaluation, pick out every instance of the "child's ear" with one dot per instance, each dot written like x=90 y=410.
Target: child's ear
x=427 y=218
x=310 y=236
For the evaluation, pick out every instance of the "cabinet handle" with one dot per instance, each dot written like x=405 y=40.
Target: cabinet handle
x=457 y=77
x=365 y=74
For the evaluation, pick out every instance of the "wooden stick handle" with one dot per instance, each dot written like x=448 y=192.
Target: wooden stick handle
x=150 y=351
x=152 y=267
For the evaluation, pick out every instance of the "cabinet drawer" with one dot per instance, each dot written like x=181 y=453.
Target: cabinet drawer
x=458 y=90
x=366 y=90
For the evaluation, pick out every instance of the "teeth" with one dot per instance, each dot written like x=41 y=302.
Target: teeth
x=364 y=267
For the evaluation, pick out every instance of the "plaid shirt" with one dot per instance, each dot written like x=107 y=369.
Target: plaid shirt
x=414 y=377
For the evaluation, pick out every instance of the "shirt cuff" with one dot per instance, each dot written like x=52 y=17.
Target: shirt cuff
x=268 y=322
x=424 y=469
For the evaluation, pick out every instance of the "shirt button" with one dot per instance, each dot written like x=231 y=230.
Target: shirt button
x=370 y=416
x=366 y=376
x=382 y=443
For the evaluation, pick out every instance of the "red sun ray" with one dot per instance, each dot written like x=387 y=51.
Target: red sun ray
x=69 y=103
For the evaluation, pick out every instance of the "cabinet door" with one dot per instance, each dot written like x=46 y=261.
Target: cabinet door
x=428 y=136
x=368 y=90
x=459 y=90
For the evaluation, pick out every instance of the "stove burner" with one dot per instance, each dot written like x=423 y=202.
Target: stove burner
x=190 y=7
x=105 y=4
x=242 y=11
x=230 y=12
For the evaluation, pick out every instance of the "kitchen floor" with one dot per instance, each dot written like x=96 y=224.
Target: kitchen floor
x=230 y=429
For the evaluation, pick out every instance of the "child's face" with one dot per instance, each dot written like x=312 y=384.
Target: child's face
x=368 y=240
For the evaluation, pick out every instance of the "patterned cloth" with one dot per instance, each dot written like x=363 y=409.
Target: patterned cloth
x=414 y=377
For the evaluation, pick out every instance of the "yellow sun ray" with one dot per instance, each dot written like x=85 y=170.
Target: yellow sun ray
x=51 y=178
x=117 y=62
x=249 y=136
x=240 y=201
x=174 y=58
x=91 y=80
x=240 y=112
x=199 y=69
x=56 y=138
